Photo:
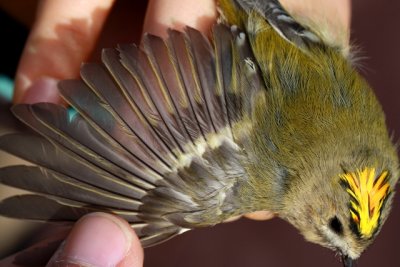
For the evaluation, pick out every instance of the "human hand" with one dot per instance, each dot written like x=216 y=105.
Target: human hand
x=64 y=35
x=50 y=56
x=100 y=239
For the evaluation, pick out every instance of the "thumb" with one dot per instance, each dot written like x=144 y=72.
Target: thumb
x=100 y=239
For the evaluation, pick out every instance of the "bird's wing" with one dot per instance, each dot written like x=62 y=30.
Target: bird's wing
x=158 y=137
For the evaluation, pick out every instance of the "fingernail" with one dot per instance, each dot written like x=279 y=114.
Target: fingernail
x=43 y=90
x=98 y=239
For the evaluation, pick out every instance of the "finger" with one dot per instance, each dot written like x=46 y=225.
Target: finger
x=63 y=36
x=100 y=239
x=339 y=10
x=261 y=215
x=164 y=14
x=331 y=18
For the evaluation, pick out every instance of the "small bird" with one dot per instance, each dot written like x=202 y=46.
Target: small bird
x=265 y=115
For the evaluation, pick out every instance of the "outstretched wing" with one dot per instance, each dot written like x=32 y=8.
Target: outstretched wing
x=157 y=138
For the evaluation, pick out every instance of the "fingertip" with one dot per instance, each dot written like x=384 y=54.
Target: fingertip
x=261 y=215
x=99 y=239
x=62 y=37
x=43 y=90
x=176 y=14
x=135 y=255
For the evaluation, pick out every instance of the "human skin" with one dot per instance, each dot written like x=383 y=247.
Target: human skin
x=44 y=63
x=100 y=239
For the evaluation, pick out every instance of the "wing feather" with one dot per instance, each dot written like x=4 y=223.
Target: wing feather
x=96 y=112
x=161 y=57
x=47 y=208
x=181 y=52
x=154 y=139
x=45 y=153
x=46 y=181
x=54 y=123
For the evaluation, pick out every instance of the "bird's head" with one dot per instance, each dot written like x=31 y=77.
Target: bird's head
x=344 y=213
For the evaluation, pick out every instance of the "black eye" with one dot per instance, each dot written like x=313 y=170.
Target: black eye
x=336 y=225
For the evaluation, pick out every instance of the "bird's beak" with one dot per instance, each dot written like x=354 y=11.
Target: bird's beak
x=347 y=261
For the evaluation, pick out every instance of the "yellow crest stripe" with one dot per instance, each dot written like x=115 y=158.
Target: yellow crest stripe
x=368 y=193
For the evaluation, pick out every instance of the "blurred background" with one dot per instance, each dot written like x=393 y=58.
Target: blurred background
x=375 y=30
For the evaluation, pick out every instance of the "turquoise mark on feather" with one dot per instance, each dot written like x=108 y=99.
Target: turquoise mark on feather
x=71 y=114
x=6 y=88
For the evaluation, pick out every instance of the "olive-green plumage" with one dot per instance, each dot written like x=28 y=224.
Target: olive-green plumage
x=188 y=133
x=316 y=120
